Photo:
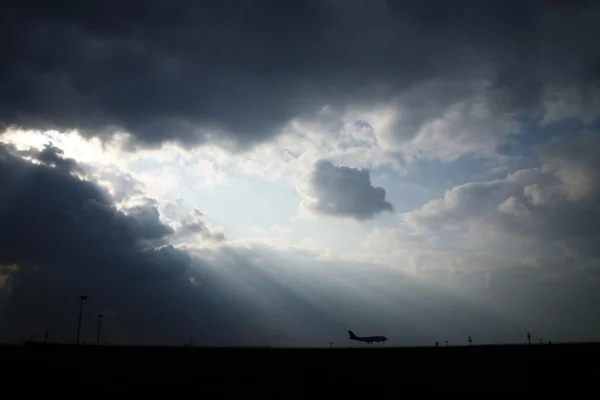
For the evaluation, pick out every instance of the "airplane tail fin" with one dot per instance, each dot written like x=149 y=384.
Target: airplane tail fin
x=352 y=335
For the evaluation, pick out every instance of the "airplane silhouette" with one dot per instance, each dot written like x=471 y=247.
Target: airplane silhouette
x=368 y=339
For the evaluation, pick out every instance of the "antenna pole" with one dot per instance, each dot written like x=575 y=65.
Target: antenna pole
x=99 y=325
x=81 y=298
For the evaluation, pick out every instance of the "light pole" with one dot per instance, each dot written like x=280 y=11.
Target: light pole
x=81 y=298
x=99 y=325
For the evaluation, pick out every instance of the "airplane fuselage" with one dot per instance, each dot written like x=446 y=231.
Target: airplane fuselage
x=367 y=339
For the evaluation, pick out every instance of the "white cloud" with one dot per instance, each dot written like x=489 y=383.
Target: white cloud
x=157 y=172
x=513 y=206
x=391 y=239
x=548 y=212
x=468 y=126
x=434 y=121
x=345 y=137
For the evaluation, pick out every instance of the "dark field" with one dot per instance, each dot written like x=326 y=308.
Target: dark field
x=286 y=372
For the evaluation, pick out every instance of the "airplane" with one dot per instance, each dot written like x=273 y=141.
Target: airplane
x=368 y=339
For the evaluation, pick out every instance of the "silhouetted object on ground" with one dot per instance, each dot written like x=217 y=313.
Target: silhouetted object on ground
x=540 y=340
x=99 y=325
x=46 y=335
x=437 y=344
x=550 y=342
x=470 y=340
x=32 y=338
x=81 y=298
x=330 y=345
x=446 y=343
x=367 y=339
x=529 y=337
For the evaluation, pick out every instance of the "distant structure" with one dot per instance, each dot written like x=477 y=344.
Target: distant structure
x=46 y=335
x=529 y=337
x=470 y=340
x=81 y=298
x=437 y=344
x=446 y=343
x=330 y=345
x=540 y=340
x=99 y=326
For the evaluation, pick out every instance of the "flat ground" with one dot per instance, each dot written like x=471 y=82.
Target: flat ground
x=287 y=372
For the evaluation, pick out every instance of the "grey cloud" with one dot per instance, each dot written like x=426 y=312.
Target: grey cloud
x=239 y=70
x=193 y=223
x=554 y=208
x=580 y=103
x=190 y=222
x=146 y=225
x=574 y=161
x=123 y=184
x=470 y=201
x=173 y=210
x=345 y=192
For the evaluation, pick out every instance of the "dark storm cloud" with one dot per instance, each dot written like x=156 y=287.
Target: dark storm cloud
x=345 y=192
x=53 y=156
x=64 y=237
x=174 y=70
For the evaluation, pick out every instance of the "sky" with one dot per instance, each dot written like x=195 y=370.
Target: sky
x=268 y=173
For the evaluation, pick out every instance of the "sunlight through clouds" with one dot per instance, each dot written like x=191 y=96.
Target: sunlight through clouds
x=440 y=160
